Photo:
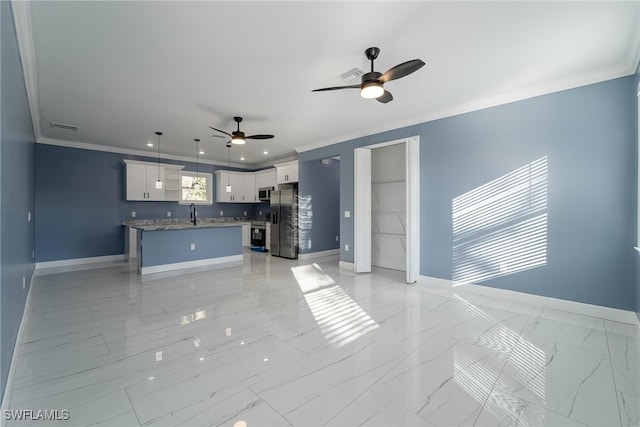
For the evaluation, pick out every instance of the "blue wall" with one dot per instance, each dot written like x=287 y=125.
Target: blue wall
x=16 y=192
x=588 y=135
x=173 y=246
x=81 y=202
x=319 y=191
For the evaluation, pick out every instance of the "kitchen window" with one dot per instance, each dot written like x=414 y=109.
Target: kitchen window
x=196 y=188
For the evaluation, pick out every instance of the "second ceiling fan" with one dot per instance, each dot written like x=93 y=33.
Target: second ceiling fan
x=238 y=137
x=372 y=85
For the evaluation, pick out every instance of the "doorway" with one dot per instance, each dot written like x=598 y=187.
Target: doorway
x=364 y=232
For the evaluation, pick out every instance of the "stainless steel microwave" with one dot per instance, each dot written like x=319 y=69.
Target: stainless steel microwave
x=264 y=193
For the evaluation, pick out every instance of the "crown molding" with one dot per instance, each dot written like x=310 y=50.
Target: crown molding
x=502 y=99
x=120 y=150
x=22 y=23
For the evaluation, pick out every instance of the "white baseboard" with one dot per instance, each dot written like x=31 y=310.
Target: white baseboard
x=319 y=254
x=6 y=396
x=191 y=264
x=79 y=261
x=346 y=265
x=614 y=314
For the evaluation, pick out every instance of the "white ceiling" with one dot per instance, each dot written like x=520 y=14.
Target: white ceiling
x=121 y=70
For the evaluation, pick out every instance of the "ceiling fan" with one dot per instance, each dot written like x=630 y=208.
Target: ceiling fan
x=372 y=85
x=238 y=137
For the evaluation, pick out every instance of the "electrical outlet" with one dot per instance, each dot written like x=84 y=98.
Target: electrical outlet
x=337 y=239
x=221 y=213
x=168 y=213
x=347 y=214
x=260 y=213
x=346 y=247
x=133 y=214
x=245 y=213
x=309 y=244
x=193 y=246
x=29 y=216
x=33 y=254
x=24 y=282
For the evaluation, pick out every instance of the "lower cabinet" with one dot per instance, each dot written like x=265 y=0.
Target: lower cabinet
x=246 y=234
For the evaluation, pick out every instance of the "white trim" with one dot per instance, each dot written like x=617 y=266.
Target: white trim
x=22 y=22
x=78 y=261
x=412 y=176
x=362 y=209
x=6 y=396
x=608 y=313
x=344 y=265
x=190 y=264
x=319 y=254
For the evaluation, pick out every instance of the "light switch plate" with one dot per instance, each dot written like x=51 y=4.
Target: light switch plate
x=133 y=214
x=347 y=214
x=168 y=213
x=193 y=246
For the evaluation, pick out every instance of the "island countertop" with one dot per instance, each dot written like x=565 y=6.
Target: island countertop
x=184 y=223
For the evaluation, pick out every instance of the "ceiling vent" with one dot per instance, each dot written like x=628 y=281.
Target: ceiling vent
x=351 y=75
x=63 y=126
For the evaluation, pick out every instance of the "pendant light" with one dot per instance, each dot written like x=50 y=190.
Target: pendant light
x=196 y=183
x=159 y=182
x=228 y=174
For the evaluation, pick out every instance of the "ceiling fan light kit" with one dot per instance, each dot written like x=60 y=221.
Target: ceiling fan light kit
x=372 y=85
x=371 y=90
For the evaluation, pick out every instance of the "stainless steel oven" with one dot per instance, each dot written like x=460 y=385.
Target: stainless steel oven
x=264 y=193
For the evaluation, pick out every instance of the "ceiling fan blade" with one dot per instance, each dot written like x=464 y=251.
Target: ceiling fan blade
x=226 y=133
x=385 y=97
x=402 y=70
x=259 y=137
x=216 y=136
x=336 y=88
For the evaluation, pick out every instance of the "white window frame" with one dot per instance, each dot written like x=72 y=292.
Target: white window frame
x=209 y=179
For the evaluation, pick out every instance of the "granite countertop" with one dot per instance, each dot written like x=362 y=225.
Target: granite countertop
x=184 y=223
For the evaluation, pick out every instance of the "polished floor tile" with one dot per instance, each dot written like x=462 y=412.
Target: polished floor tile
x=278 y=342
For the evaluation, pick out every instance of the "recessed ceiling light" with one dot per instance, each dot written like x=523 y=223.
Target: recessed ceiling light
x=201 y=152
x=149 y=144
x=242 y=158
x=265 y=152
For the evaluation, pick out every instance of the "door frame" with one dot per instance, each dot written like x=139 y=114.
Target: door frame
x=362 y=206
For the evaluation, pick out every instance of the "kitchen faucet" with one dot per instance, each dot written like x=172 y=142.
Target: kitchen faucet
x=192 y=208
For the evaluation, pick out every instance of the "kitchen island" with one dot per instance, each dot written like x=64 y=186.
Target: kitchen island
x=177 y=244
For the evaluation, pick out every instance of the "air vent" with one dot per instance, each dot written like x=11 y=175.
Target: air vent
x=351 y=75
x=63 y=126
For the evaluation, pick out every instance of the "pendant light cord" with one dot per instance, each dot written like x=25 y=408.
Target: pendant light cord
x=158 y=160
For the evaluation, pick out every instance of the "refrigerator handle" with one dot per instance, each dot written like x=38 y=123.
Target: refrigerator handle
x=274 y=218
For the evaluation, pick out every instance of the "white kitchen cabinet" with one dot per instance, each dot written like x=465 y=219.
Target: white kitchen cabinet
x=249 y=194
x=265 y=178
x=224 y=178
x=242 y=187
x=246 y=234
x=141 y=178
x=267 y=236
x=287 y=173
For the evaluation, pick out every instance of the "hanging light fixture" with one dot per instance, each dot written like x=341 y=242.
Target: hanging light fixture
x=196 y=183
x=228 y=167
x=159 y=182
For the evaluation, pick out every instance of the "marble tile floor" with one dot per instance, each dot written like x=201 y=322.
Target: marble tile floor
x=278 y=342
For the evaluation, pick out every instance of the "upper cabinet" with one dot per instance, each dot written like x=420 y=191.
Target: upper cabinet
x=142 y=177
x=265 y=178
x=287 y=173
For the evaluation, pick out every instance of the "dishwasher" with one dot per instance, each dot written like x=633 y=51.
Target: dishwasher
x=258 y=236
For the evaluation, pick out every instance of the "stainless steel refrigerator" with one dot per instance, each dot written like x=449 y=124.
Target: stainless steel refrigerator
x=284 y=223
